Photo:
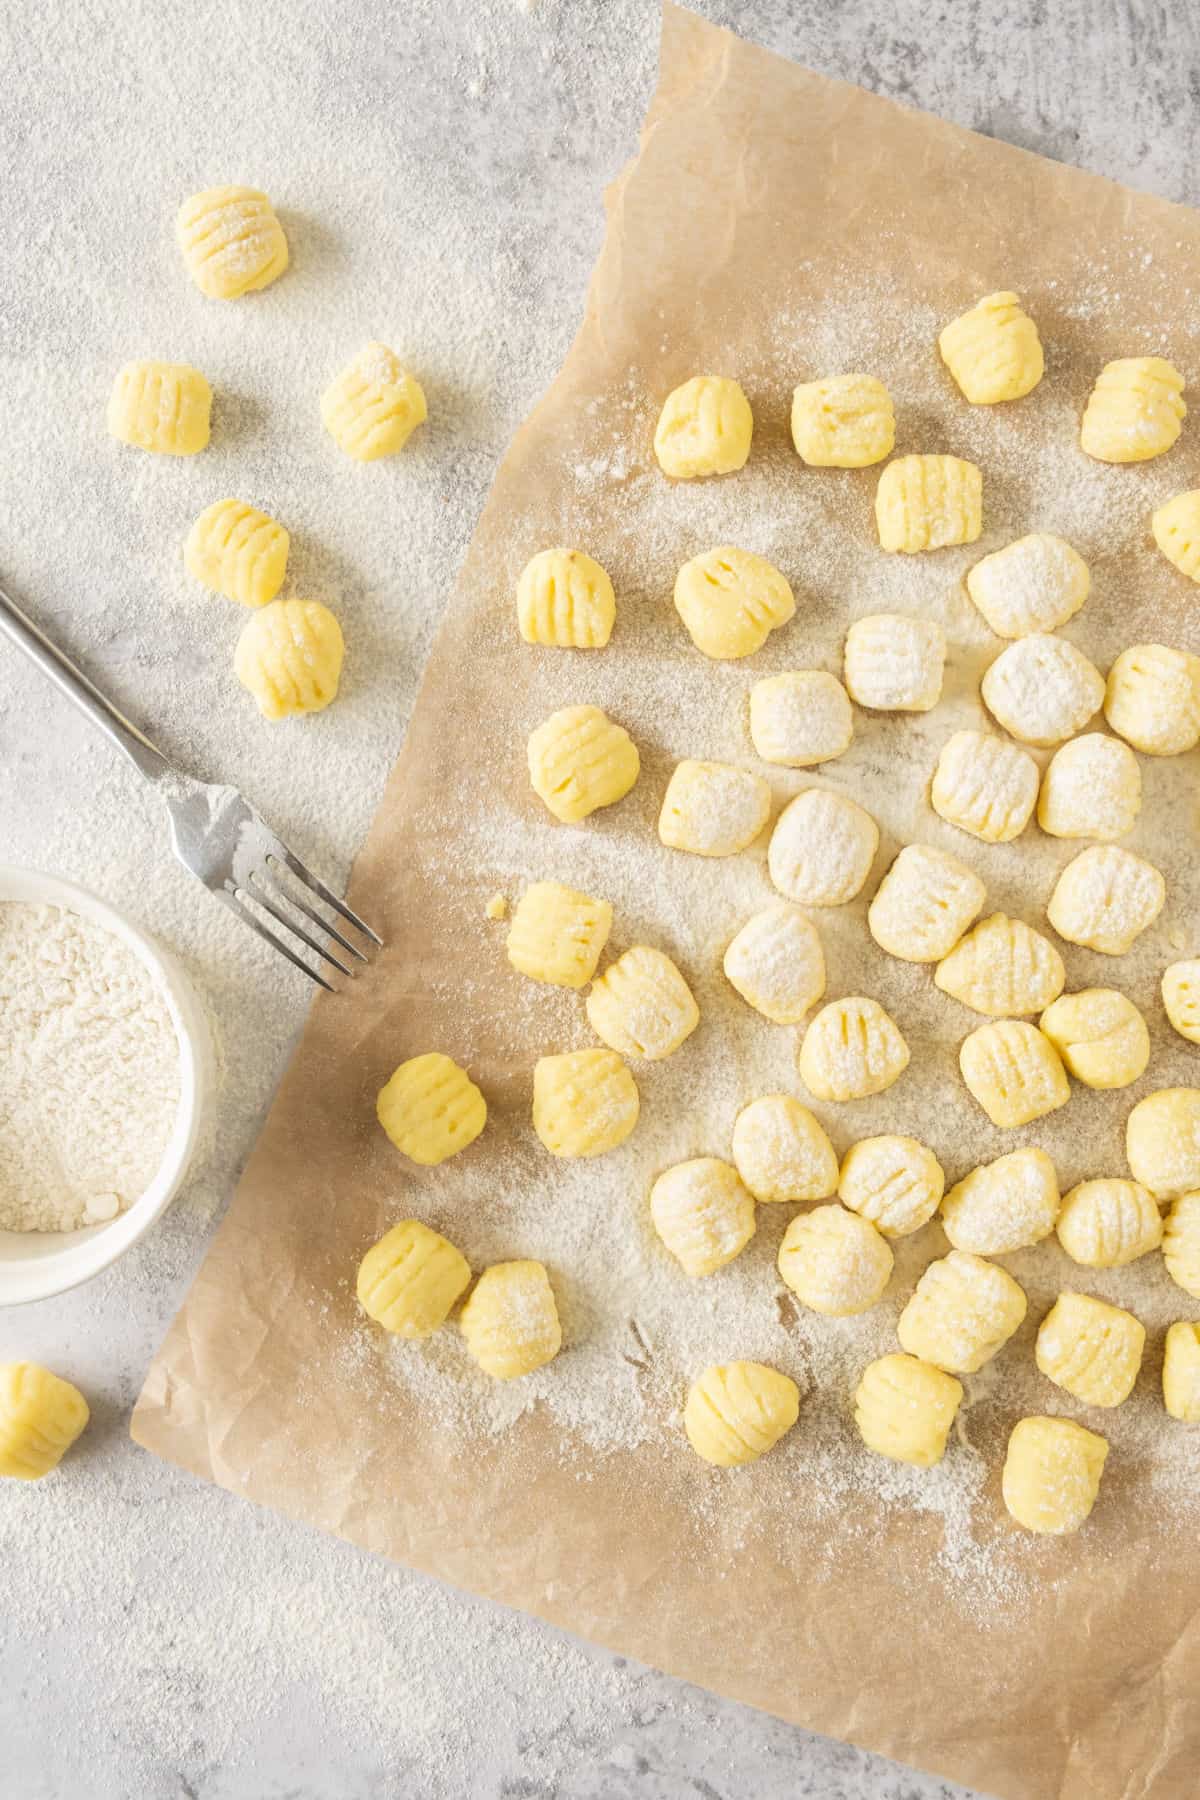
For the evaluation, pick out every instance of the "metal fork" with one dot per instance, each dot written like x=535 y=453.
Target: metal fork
x=215 y=834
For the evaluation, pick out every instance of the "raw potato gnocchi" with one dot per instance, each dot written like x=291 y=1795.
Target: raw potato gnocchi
x=822 y=848
x=703 y=1214
x=1042 y=690
x=835 y=1262
x=1002 y=968
x=893 y=663
x=642 y=1006
x=1092 y=788
x=843 y=422
x=1107 y=1223
x=736 y=1412
x=557 y=934
x=289 y=658
x=705 y=428
x=1014 y=1072
x=231 y=241
x=924 y=904
x=373 y=407
x=962 y=1311
x=904 y=1409
x=161 y=407
x=584 y=1102
x=1100 y=1035
x=894 y=1182
x=800 y=718
x=1002 y=1206
x=238 y=551
x=431 y=1109
x=1181 y=998
x=1152 y=699
x=565 y=599
x=777 y=965
x=993 y=352
x=713 y=809
x=1034 y=584
x=1181 y=1372
x=409 y=1281
x=1090 y=1349
x=928 y=503
x=985 y=785
x=579 y=761
x=510 y=1320
x=1135 y=411
x=852 y=1050
x=1052 y=1474
x=1162 y=1142
x=782 y=1152
x=1181 y=1243
x=1176 y=528
x=731 y=601
x=1105 y=898
x=41 y=1415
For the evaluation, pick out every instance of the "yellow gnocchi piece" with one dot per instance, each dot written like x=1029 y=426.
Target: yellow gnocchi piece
x=41 y=1415
x=1002 y=968
x=373 y=407
x=1052 y=1474
x=1176 y=528
x=1090 y=1349
x=289 y=658
x=566 y=599
x=923 y=905
x=985 y=786
x=800 y=718
x=1092 y=788
x=961 y=1312
x=705 y=428
x=1181 y=1243
x=1034 y=584
x=731 y=601
x=497 y=907
x=835 y=1262
x=1014 y=1072
x=703 y=1214
x=1162 y=1142
x=928 y=503
x=579 y=761
x=852 y=1050
x=1181 y=1372
x=431 y=1109
x=1042 y=690
x=510 y=1320
x=557 y=934
x=239 y=551
x=843 y=422
x=1105 y=898
x=904 y=1409
x=231 y=241
x=777 y=965
x=1107 y=1223
x=822 y=848
x=736 y=1412
x=409 y=1281
x=713 y=809
x=1135 y=411
x=584 y=1102
x=1153 y=699
x=993 y=351
x=1100 y=1035
x=642 y=1006
x=894 y=1182
x=161 y=407
x=782 y=1152
x=893 y=663
x=1181 y=998
x=1002 y=1206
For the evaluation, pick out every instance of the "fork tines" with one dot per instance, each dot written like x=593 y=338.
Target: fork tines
x=280 y=886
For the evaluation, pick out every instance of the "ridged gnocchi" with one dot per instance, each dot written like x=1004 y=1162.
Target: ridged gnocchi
x=289 y=657
x=565 y=599
x=904 y=1409
x=1181 y=1372
x=409 y=1281
x=928 y=503
x=584 y=1102
x=703 y=1214
x=1091 y=1350
x=1002 y=968
x=985 y=785
x=1034 y=584
x=731 y=601
x=642 y=1006
x=238 y=551
x=736 y=1412
x=924 y=904
x=162 y=407
x=835 y=1262
x=1181 y=998
x=1106 y=1223
x=1135 y=411
x=1100 y=1035
x=894 y=1182
x=373 y=407
x=1162 y=1142
x=1014 y=1072
x=962 y=1311
x=704 y=428
x=557 y=934
x=1181 y=1243
x=1105 y=898
x=1152 y=699
x=801 y=718
x=782 y=1152
x=894 y=663
x=822 y=848
x=1176 y=528
x=713 y=809
x=1052 y=1474
x=852 y=1049
x=1042 y=690
x=510 y=1321
x=1092 y=788
x=1002 y=1206
x=41 y=1415
x=231 y=241
x=431 y=1109
x=843 y=422
x=776 y=964
x=581 y=760
x=993 y=351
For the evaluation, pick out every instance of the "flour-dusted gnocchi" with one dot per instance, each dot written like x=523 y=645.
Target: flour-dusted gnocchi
x=289 y=657
x=993 y=351
x=731 y=601
x=704 y=428
x=928 y=503
x=373 y=407
x=904 y=1409
x=782 y=1152
x=557 y=934
x=231 y=241
x=703 y=1214
x=713 y=809
x=985 y=785
x=1092 y=788
x=1181 y=1243
x=1090 y=1349
x=1052 y=1474
x=1181 y=1372
x=1107 y=1223
x=431 y=1109
x=962 y=1311
x=41 y=1415
x=1176 y=528
x=584 y=1102
x=777 y=965
x=565 y=599
x=1002 y=968
x=1100 y=1035
x=1181 y=997
x=238 y=551
x=1153 y=699
x=894 y=663
x=1042 y=690
x=510 y=1320
x=1014 y=1072
x=1105 y=898
x=924 y=903
x=1135 y=411
x=642 y=1006
x=1002 y=1206
x=800 y=718
x=894 y=1182
x=162 y=407
x=852 y=1049
x=822 y=848
x=835 y=1262
x=409 y=1281
x=1034 y=584
x=581 y=760
x=1162 y=1142
x=843 y=422
x=736 y=1412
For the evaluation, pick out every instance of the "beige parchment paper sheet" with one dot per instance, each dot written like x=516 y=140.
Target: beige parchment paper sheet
x=766 y=204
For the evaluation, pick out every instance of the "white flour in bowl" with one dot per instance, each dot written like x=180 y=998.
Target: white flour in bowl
x=89 y=1072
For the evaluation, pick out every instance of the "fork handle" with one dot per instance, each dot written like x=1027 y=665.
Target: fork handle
x=57 y=665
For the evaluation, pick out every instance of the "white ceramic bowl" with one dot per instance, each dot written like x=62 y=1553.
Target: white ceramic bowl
x=36 y=1264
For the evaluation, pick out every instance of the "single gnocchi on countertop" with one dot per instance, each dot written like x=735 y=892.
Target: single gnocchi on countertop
x=431 y=1109
x=924 y=904
x=1181 y=998
x=703 y=1214
x=510 y=1321
x=894 y=663
x=776 y=964
x=904 y=1409
x=1176 y=528
x=843 y=422
x=1090 y=1349
x=1034 y=584
x=565 y=599
x=289 y=658
x=835 y=1262
x=736 y=1412
x=557 y=934
x=642 y=1006
x=1042 y=690
x=1002 y=968
x=993 y=351
x=782 y=1152
x=1181 y=1243
x=162 y=407
x=1181 y=1371
x=704 y=428
x=962 y=1311
x=41 y=1415
x=1105 y=898
x=713 y=809
x=409 y=1281
x=1092 y=788
x=851 y=1050
x=584 y=1102
x=1106 y=1223
x=801 y=718
x=579 y=761
x=238 y=551
x=822 y=848
x=985 y=785
x=1152 y=699
x=1100 y=1035
x=1002 y=1206
x=1162 y=1142
x=373 y=407
x=731 y=601
x=1135 y=411
x=231 y=241
x=928 y=503
x=1052 y=1474
x=894 y=1182
x=1014 y=1072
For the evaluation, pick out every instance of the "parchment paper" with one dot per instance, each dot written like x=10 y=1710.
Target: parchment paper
x=756 y=181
